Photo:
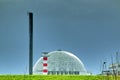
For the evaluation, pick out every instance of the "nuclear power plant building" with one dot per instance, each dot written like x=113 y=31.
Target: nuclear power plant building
x=59 y=62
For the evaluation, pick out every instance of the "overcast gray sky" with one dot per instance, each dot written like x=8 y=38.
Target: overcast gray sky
x=90 y=29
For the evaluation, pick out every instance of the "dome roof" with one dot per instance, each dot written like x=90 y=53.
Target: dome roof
x=60 y=61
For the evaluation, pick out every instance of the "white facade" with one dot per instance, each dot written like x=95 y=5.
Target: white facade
x=61 y=62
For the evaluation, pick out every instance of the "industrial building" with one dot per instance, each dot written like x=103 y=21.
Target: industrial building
x=59 y=62
x=114 y=68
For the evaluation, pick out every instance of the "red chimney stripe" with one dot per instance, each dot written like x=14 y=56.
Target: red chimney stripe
x=45 y=70
x=45 y=64
x=45 y=58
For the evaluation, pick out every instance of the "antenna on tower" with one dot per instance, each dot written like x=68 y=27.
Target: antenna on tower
x=113 y=68
x=117 y=63
x=117 y=59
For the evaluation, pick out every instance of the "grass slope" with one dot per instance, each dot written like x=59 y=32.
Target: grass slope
x=54 y=77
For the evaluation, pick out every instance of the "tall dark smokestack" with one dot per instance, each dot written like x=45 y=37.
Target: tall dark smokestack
x=30 y=43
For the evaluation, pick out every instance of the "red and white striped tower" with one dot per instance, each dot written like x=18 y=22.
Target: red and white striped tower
x=45 y=64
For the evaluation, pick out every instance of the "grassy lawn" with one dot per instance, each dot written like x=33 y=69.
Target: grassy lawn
x=54 y=77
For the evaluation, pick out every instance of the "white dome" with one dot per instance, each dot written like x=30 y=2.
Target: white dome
x=61 y=62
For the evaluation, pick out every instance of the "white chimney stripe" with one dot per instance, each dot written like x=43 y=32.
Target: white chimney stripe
x=45 y=68
x=44 y=61
x=44 y=73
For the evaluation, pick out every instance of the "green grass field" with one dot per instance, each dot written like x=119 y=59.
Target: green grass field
x=54 y=77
